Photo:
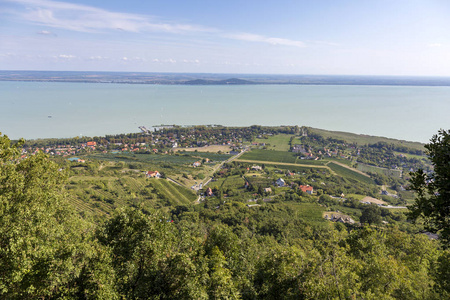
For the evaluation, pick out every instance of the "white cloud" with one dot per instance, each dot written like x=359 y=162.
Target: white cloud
x=66 y=56
x=435 y=45
x=97 y=58
x=263 y=39
x=190 y=61
x=85 y=18
x=46 y=32
x=133 y=59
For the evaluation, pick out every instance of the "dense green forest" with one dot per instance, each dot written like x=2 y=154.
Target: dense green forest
x=101 y=230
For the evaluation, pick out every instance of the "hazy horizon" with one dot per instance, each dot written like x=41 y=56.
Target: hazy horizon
x=373 y=38
x=227 y=73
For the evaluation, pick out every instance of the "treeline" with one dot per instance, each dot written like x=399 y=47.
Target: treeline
x=100 y=140
x=397 y=148
x=385 y=157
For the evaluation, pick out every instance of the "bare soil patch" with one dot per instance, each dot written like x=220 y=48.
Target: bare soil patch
x=373 y=200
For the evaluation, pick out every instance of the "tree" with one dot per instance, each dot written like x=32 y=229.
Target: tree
x=43 y=248
x=139 y=243
x=371 y=214
x=221 y=285
x=433 y=190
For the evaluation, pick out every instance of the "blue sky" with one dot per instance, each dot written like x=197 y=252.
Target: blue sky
x=403 y=37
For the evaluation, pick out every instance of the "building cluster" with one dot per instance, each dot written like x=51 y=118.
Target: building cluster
x=159 y=142
x=306 y=152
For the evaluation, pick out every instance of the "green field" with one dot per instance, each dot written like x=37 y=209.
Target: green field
x=356 y=196
x=383 y=171
x=408 y=155
x=345 y=172
x=279 y=142
x=174 y=194
x=308 y=211
x=270 y=155
x=231 y=182
x=259 y=181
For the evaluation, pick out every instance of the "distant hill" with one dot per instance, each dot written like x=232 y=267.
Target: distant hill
x=218 y=82
x=217 y=79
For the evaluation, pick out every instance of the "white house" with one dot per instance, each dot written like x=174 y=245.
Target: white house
x=280 y=182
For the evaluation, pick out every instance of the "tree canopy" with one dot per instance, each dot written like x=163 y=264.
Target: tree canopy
x=433 y=189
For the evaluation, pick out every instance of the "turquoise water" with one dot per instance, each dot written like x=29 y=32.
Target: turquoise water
x=48 y=109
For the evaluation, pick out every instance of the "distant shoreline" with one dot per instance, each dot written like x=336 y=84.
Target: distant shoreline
x=218 y=79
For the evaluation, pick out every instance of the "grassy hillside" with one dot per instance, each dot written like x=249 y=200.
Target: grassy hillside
x=345 y=172
x=383 y=171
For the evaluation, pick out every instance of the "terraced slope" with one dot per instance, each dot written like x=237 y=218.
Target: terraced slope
x=100 y=195
x=174 y=194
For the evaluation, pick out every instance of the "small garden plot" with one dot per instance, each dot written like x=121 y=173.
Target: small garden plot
x=257 y=182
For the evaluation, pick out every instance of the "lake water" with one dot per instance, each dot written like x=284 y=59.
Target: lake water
x=49 y=109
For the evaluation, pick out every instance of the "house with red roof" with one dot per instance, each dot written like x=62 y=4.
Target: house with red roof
x=307 y=189
x=153 y=174
x=209 y=192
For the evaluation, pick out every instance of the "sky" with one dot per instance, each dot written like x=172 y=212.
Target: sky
x=346 y=37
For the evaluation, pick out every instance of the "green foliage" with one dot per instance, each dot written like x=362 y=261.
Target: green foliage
x=371 y=214
x=221 y=285
x=137 y=242
x=365 y=139
x=433 y=190
x=218 y=249
x=442 y=274
x=42 y=248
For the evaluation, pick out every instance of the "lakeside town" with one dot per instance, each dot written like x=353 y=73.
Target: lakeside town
x=268 y=162
x=232 y=140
